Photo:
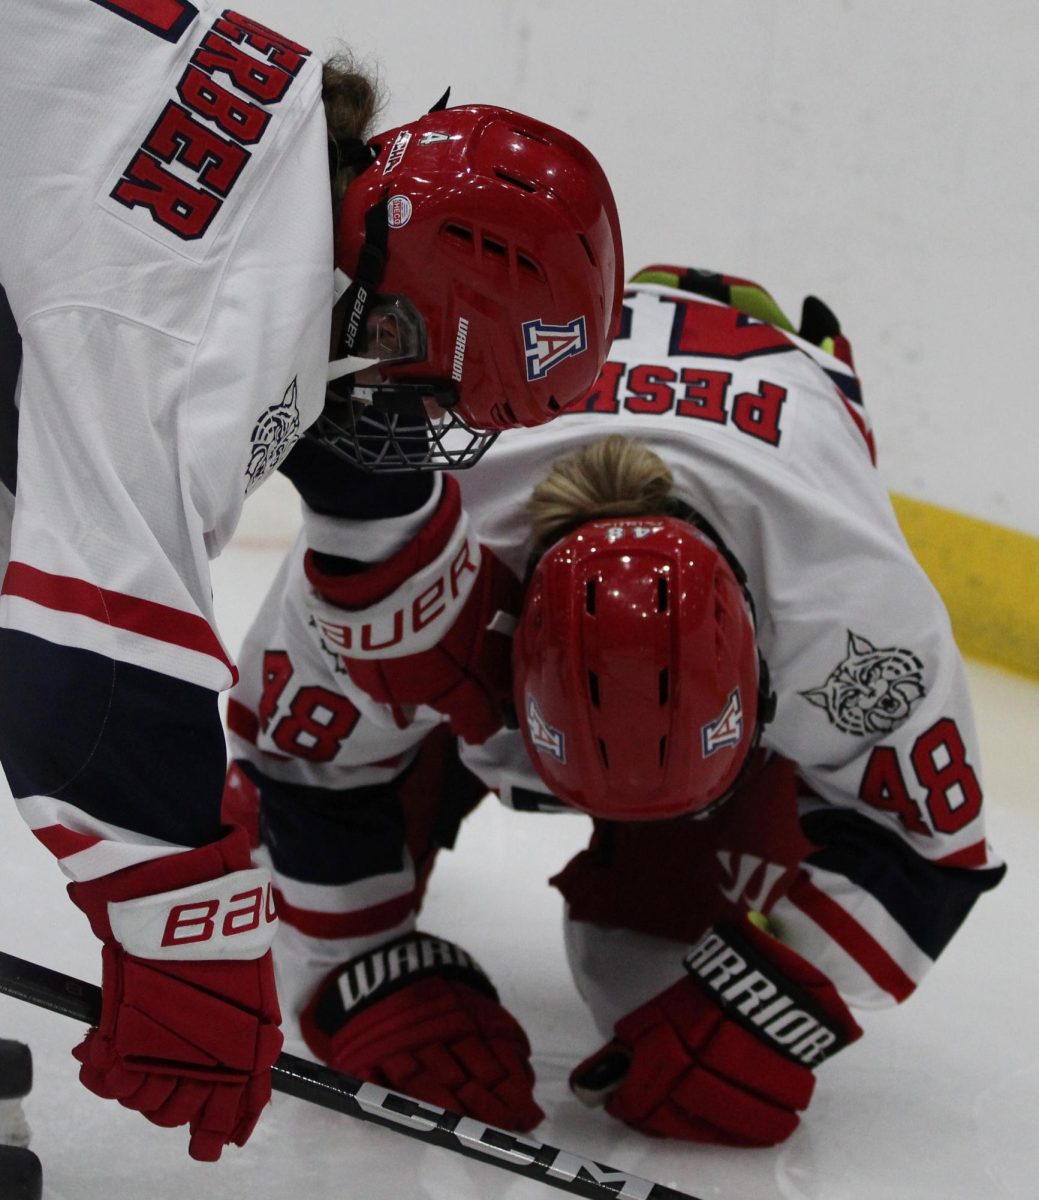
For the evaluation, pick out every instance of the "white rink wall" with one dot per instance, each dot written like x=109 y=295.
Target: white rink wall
x=879 y=153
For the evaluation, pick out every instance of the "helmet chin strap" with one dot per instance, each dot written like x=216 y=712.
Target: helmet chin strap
x=357 y=295
x=352 y=363
x=339 y=367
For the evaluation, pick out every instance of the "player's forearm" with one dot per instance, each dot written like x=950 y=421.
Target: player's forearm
x=343 y=875
x=331 y=487
x=871 y=913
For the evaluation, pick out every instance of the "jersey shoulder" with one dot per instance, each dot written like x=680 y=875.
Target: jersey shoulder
x=714 y=357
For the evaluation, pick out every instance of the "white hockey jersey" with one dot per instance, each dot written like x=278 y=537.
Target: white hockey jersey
x=166 y=253
x=767 y=439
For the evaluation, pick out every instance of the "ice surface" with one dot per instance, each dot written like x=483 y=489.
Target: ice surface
x=939 y=1100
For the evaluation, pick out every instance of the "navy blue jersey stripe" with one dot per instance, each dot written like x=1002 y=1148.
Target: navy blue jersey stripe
x=326 y=836
x=10 y=364
x=339 y=836
x=126 y=745
x=848 y=386
x=928 y=901
x=624 y=325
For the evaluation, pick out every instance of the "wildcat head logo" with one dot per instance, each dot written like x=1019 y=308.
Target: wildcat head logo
x=872 y=690
x=272 y=436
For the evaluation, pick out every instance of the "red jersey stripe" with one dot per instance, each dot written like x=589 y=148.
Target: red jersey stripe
x=242 y=721
x=851 y=937
x=63 y=593
x=62 y=842
x=970 y=856
x=361 y=922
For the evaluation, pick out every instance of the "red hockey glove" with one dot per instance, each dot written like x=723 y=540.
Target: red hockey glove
x=726 y=1055
x=419 y=1016
x=430 y=625
x=189 y=1015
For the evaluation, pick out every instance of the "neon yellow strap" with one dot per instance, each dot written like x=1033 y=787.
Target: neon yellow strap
x=748 y=298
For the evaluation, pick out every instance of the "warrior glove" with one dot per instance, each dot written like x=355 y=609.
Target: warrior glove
x=419 y=1016
x=189 y=1015
x=727 y=1054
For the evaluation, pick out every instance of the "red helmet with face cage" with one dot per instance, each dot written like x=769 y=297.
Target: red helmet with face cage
x=637 y=679
x=494 y=248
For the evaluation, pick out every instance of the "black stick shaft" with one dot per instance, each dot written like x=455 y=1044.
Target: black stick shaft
x=519 y=1153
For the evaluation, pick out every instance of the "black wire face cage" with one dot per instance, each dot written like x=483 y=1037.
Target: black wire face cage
x=408 y=426
x=395 y=432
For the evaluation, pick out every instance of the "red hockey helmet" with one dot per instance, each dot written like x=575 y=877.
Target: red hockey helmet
x=636 y=673
x=483 y=253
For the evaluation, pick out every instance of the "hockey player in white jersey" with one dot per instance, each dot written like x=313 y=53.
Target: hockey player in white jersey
x=172 y=263
x=725 y=653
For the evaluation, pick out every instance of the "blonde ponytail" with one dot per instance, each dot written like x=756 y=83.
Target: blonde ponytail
x=616 y=477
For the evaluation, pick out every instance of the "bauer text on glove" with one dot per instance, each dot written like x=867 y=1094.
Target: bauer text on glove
x=431 y=625
x=189 y=1021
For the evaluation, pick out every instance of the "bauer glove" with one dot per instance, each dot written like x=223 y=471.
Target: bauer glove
x=418 y=1015
x=189 y=1015
x=727 y=1054
x=431 y=625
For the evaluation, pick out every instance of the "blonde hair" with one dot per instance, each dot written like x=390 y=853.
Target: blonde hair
x=352 y=98
x=616 y=477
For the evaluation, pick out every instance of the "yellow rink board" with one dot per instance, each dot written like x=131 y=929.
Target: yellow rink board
x=988 y=576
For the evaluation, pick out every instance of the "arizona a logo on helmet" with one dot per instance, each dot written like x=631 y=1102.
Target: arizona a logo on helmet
x=547 y=346
x=726 y=729
x=542 y=735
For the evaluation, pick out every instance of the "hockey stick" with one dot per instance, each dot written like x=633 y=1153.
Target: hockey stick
x=308 y=1081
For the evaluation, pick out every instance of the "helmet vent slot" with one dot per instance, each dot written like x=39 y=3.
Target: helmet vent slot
x=553 y=404
x=525 y=184
x=493 y=247
x=593 y=688
x=662 y=751
x=603 y=755
x=663 y=686
x=588 y=250
x=531 y=137
x=461 y=233
x=589 y=597
x=662 y=594
x=526 y=263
